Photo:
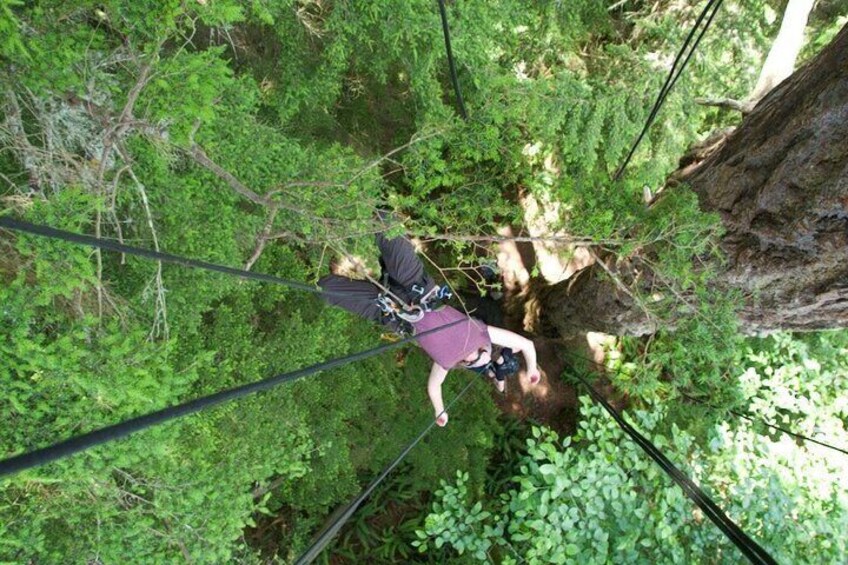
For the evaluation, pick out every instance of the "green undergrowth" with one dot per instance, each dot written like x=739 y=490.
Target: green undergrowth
x=596 y=496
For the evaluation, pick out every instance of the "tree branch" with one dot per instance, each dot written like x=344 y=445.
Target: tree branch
x=514 y=239
x=744 y=106
x=200 y=156
x=262 y=238
x=160 y=316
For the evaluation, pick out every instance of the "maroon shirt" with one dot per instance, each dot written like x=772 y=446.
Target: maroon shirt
x=451 y=345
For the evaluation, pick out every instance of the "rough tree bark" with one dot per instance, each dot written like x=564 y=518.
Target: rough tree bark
x=780 y=185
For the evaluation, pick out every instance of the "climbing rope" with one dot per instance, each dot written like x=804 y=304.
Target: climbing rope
x=329 y=532
x=414 y=312
x=734 y=412
x=751 y=549
x=787 y=432
x=451 y=65
x=709 y=12
x=110 y=245
x=767 y=424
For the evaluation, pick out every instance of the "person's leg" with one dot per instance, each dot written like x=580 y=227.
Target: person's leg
x=403 y=265
x=359 y=297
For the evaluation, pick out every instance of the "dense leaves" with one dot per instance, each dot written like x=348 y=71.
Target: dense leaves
x=596 y=497
x=265 y=134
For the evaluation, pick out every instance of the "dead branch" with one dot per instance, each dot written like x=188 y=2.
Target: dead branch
x=99 y=257
x=111 y=137
x=113 y=214
x=515 y=239
x=262 y=239
x=744 y=106
x=394 y=151
x=124 y=122
x=160 y=317
x=200 y=156
x=143 y=78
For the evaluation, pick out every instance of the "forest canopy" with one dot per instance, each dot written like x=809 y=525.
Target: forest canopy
x=264 y=135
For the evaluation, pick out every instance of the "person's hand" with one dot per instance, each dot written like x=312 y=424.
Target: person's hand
x=535 y=376
x=442 y=420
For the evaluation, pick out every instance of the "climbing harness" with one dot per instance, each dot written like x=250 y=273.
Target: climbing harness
x=435 y=299
x=395 y=309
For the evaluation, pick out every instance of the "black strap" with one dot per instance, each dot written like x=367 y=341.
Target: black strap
x=787 y=432
x=763 y=422
x=673 y=75
x=751 y=549
x=454 y=79
x=90 y=241
x=331 y=530
x=117 y=431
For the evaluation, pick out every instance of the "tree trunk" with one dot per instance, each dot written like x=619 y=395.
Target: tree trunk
x=780 y=185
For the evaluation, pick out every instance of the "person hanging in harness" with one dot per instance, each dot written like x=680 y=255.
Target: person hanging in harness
x=410 y=303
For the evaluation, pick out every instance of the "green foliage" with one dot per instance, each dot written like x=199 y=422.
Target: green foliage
x=184 y=90
x=12 y=45
x=597 y=495
x=293 y=102
x=696 y=339
x=452 y=522
x=796 y=381
x=66 y=375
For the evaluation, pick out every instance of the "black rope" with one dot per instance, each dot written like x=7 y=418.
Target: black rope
x=751 y=549
x=453 y=76
x=79 y=443
x=673 y=75
x=763 y=422
x=90 y=241
x=326 y=536
x=787 y=432
x=734 y=412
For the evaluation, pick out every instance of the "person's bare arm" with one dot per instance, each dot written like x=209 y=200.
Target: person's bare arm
x=434 y=390
x=506 y=338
